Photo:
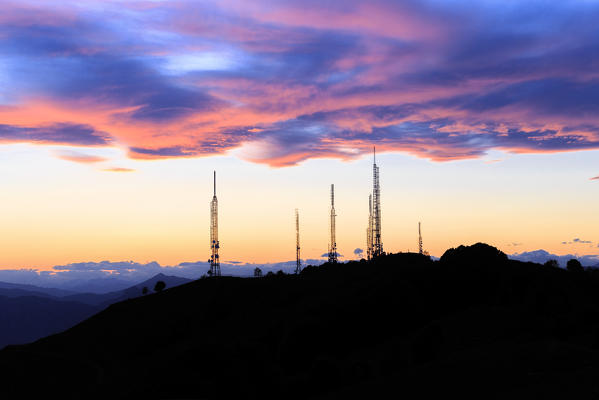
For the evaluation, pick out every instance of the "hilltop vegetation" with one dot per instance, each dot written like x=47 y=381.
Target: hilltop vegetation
x=473 y=323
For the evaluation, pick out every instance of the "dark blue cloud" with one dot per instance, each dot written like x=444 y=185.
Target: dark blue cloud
x=546 y=96
x=175 y=151
x=70 y=134
x=65 y=64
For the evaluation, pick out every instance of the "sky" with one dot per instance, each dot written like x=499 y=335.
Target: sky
x=113 y=115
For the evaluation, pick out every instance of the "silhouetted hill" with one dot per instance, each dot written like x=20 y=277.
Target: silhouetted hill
x=29 y=315
x=27 y=318
x=106 y=299
x=473 y=324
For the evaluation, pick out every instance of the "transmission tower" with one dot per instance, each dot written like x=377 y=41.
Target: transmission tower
x=333 y=242
x=369 y=230
x=377 y=246
x=420 y=249
x=214 y=245
x=298 y=265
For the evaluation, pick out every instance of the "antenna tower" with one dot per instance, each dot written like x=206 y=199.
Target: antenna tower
x=377 y=245
x=214 y=245
x=298 y=265
x=420 y=250
x=369 y=230
x=333 y=242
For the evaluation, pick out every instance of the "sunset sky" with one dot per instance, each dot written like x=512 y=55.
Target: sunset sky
x=113 y=115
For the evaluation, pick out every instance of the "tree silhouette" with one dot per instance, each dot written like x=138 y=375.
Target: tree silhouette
x=257 y=273
x=159 y=287
x=574 y=266
x=144 y=290
x=552 y=264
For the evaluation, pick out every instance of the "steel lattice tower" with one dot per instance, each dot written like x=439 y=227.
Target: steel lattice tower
x=333 y=241
x=420 y=249
x=214 y=244
x=369 y=230
x=298 y=264
x=377 y=245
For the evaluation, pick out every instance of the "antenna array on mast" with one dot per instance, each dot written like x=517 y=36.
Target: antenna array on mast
x=420 y=249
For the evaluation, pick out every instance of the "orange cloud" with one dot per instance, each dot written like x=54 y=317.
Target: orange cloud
x=118 y=169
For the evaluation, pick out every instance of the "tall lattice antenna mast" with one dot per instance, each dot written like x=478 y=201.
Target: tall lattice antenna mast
x=298 y=265
x=333 y=241
x=369 y=230
x=214 y=245
x=377 y=246
x=420 y=249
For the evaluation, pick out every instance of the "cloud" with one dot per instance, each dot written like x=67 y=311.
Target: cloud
x=288 y=81
x=327 y=254
x=78 y=157
x=59 y=133
x=578 y=240
x=595 y=178
x=118 y=169
x=130 y=272
x=358 y=251
x=542 y=256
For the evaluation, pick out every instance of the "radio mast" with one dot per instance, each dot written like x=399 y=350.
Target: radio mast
x=333 y=241
x=377 y=246
x=298 y=265
x=369 y=230
x=214 y=245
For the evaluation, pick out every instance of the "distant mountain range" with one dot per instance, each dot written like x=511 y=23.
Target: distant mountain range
x=35 y=289
x=29 y=312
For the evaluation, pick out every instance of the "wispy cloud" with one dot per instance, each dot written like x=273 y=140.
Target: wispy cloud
x=57 y=133
x=118 y=169
x=595 y=178
x=79 y=157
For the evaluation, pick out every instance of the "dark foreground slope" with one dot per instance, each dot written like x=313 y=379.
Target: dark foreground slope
x=26 y=318
x=26 y=315
x=474 y=324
